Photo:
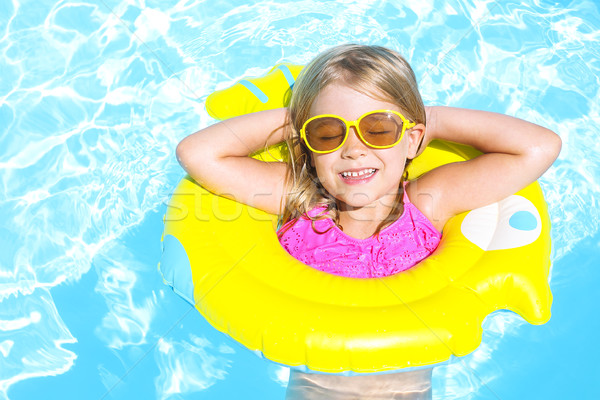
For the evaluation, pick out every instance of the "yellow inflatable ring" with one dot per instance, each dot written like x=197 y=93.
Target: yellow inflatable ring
x=224 y=257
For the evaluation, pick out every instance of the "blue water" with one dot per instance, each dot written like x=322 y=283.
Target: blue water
x=94 y=97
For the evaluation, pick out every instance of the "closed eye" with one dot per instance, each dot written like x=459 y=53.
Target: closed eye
x=329 y=138
x=378 y=132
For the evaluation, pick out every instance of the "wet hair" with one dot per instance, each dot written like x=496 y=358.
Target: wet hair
x=375 y=71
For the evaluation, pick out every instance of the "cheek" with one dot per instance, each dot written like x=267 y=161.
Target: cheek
x=322 y=164
x=324 y=169
x=394 y=166
x=322 y=174
x=397 y=157
x=399 y=163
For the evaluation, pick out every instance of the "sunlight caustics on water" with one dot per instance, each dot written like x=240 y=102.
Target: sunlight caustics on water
x=94 y=97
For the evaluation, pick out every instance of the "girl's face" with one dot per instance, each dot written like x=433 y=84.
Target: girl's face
x=379 y=170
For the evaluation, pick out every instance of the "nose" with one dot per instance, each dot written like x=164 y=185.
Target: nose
x=354 y=147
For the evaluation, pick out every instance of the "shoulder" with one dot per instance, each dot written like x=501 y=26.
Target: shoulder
x=426 y=197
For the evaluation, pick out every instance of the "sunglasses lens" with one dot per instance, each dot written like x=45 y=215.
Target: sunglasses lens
x=325 y=134
x=381 y=129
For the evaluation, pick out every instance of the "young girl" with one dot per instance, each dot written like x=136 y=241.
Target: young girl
x=354 y=122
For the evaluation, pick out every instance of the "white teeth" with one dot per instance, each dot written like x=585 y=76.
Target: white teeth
x=367 y=171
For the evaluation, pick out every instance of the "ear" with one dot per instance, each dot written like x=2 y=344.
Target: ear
x=415 y=137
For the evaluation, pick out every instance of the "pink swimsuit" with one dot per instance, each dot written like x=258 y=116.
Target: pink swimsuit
x=398 y=247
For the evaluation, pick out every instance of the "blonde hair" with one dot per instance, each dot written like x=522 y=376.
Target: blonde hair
x=375 y=71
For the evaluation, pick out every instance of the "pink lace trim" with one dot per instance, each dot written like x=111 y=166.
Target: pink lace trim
x=398 y=247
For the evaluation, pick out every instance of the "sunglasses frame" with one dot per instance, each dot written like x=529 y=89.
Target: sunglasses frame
x=406 y=124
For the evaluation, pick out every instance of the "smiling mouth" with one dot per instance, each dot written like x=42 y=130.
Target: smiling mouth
x=358 y=175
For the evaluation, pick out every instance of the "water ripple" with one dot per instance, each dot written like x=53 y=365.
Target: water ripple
x=189 y=366
x=95 y=95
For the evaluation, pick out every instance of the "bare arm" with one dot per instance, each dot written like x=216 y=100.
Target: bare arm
x=217 y=158
x=517 y=153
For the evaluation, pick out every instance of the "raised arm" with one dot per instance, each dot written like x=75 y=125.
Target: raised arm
x=516 y=153
x=217 y=158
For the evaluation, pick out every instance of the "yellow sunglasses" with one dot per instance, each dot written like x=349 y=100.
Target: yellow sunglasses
x=379 y=129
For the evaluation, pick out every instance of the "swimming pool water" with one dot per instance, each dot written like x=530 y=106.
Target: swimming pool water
x=94 y=97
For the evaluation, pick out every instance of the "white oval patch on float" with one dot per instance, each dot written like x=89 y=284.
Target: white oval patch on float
x=507 y=224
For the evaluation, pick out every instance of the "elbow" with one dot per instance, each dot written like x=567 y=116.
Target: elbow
x=545 y=153
x=187 y=151
x=182 y=153
x=558 y=145
x=553 y=147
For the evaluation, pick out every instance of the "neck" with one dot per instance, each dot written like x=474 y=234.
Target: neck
x=362 y=222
